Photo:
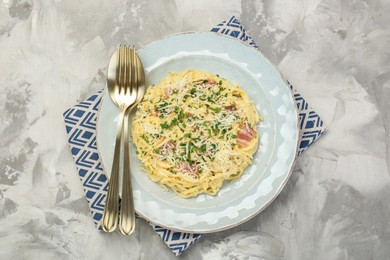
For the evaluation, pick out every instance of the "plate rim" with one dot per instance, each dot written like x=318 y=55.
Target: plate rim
x=296 y=144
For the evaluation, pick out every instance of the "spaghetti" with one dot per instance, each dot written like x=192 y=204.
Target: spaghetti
x=194 y=130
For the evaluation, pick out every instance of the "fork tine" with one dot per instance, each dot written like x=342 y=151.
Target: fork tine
x=124 y=64
x=121 y=70
x=125 y=70
x=135 y=66
x=132 y=70
x=122 y=76
x=120 y=57
x=129 y=69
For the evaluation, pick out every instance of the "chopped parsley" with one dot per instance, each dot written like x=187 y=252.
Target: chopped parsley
x=203 y=148
x=210 y=99
x=191 y=147
x=145 y=138
x=215 y=109
x=165 y=125
x=174 y=122
x=181 y=116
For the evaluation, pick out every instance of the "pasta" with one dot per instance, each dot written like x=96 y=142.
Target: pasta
x=194 y=130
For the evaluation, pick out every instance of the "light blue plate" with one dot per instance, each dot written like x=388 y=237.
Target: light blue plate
x=239 y=200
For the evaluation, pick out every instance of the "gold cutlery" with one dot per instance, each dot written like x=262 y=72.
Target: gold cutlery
x=127 y=213
x=125 y=78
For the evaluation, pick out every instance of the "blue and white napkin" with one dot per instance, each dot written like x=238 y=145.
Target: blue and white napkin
x=80 y=123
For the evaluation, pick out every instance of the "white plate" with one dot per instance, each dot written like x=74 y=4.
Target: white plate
x=239 y=200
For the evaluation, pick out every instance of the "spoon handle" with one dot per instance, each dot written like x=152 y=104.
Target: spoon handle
x=127 y=213
x=110 y=214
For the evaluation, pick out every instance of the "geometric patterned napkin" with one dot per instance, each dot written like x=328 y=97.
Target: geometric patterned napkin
x=80 y=123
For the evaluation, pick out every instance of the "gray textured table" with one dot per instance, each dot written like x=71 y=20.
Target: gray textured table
x=336 y=204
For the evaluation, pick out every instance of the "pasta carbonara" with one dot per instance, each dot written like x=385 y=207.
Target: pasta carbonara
x=194 y=130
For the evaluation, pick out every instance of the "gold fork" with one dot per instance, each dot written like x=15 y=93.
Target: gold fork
x=127 y=212
x=124 y=95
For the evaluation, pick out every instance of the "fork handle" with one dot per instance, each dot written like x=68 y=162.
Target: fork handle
x=110 y=214
x=127 y=212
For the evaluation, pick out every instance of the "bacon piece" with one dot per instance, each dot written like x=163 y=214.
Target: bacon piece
x=155 y=112
x=231 y=107
x=187 y=169
x=205 y=81
x=245 y=135
x=211 y=82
